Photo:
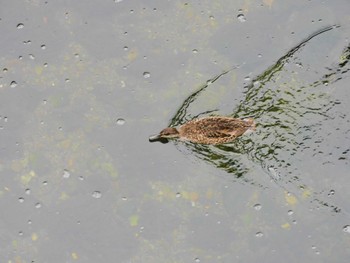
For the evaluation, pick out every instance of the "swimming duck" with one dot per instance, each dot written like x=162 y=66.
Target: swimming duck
x=208 y=130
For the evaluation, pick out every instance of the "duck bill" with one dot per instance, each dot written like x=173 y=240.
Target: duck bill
x=154 y=138
x=158 y=138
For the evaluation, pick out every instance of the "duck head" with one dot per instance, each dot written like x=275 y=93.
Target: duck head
x=167 y=133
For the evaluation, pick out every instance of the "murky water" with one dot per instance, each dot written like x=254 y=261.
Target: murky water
x=83 y=85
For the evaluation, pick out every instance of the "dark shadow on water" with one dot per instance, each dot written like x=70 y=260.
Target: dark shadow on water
x=287 y=117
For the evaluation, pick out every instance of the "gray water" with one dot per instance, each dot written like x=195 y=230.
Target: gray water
x=84 y=84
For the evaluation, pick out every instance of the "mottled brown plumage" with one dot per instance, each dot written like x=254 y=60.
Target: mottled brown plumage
x=209 y=130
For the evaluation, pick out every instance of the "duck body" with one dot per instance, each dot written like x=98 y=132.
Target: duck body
x=209 y=130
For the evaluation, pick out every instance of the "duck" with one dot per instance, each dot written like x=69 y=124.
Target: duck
x=208 y=130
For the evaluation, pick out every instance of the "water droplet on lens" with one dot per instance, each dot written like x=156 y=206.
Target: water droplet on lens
x=241 y=18
x=124 y=198
x=13 y=84
x=290 y=212
x=125 y=48
x=45 y=183
x=197 y=260
x=20 y=26
x=178 y=195
x=346 y=229
x=66 y=174
x=43 y=47
x=195 y=51
x=31 y=56
x=37 y=205
x=21 y=199
x=96 y=194
x=259 y=234
x=120 y=121
x=27 y=191
x=5 y=70
x=146 y=75
x=257 y=207
x=20 y=233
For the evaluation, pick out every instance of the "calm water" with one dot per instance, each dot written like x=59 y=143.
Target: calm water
x=83 y=85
